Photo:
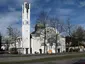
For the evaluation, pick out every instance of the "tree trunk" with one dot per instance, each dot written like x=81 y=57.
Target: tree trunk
x=15 y=47
x=0 y=41
x=56 y=44
x=7 y=45
x=30 y=44
x=15 y=44
x=44 y=38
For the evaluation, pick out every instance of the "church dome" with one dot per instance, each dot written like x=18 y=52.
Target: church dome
x=39 y=26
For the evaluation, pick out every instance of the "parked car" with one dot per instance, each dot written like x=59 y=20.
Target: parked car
x=81 y=61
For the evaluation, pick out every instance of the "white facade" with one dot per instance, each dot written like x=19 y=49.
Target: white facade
x=61 y=47
x=37 y=42
x=36 y=45
x=26 y=28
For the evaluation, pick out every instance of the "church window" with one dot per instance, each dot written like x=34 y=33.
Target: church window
x=27 y=15
x=26 y=22
x=27 y=7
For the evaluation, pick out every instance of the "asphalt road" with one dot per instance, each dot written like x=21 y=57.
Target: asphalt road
x=10 y=58
x=67 y=61
x=55 y=62
x=21 y=58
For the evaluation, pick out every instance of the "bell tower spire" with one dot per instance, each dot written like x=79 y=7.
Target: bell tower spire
x=26 y=28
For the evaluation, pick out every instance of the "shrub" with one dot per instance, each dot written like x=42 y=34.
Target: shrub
x=13 y=51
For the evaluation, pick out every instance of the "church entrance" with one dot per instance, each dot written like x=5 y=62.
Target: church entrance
x=26 y=50
x=40 y=51
x=58 y=50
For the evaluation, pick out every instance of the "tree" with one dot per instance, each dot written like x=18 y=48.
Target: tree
x=79 y=35
x=7 y=43
x=59 y=28
x=56 y=23
x=68 y=29
x=42 y=18
x=42 y=21
x=13 y=34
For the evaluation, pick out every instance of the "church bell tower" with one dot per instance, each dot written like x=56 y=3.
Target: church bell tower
x=26 y=28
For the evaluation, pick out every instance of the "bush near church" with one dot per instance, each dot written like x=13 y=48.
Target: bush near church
x=13 y=51
x=74 y=50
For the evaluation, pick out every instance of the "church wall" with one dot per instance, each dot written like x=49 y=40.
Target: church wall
x=61 y=45
x=35 y=45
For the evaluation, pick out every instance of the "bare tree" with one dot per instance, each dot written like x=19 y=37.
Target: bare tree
x=42 y=19
x=59 y=28
x=13 y=34
x=69 y=29
x=54 y=22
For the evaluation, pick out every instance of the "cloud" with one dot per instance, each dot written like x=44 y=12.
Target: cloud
x=9 y=15
x=10 y=18
x=3 y=2
x=69 y=2
x=48 y=0
x=11 y=9
x=78 y=18
x=65 y=11
x=82 y=4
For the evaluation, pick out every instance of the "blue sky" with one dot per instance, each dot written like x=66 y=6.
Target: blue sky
x=10 y=11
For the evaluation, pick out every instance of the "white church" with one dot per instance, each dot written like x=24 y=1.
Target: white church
x=35 y=43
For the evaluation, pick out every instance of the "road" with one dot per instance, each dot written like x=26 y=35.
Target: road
x=10 y=58
x=66 y=61
x=21 y=58
x=55 y=62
